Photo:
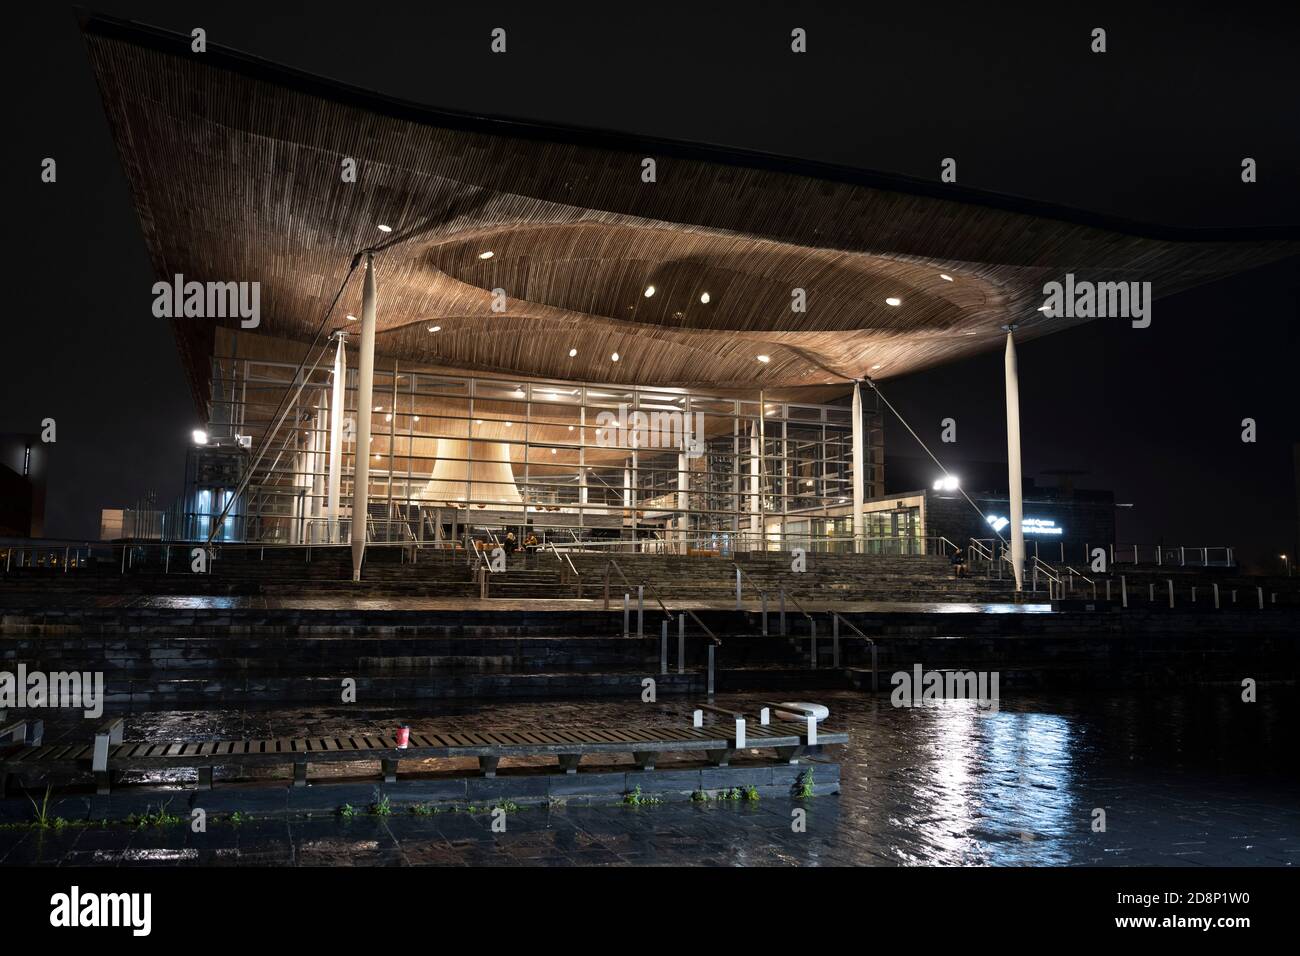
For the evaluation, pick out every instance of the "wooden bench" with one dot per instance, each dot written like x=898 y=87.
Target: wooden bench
x=105 y=756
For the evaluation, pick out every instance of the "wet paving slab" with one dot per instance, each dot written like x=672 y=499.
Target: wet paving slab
x=1194 y=779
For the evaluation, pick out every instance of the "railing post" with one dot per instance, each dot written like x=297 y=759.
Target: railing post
x=1260 y=592
x=1193 y=593
x=812 y=638
x=640 y=610
x=663 y=648
x=835 y=640
x=681 y=643
x=711 y=649
x=1123 y=592
x=1216 y=594
x=627 y=610
x=1171 y=591
x=781 y=594
x=874 y=680
x=1182 y=556
x=762 y=596
x=1108 y=590
x=607 y=587
x=737 y=588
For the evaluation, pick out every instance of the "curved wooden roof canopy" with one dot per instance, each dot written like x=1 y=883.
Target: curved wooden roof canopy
x=234 y=165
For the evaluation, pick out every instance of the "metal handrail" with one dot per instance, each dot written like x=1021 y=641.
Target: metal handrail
x=658 y=597
x=572 y=568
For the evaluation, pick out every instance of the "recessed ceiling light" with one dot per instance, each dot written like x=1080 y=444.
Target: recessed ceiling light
x=486 y=255
x=893 y=301
x=377 y=408
x=415 y=418
x=1045 y=308
x=510 y=424
x=352 y=318
x=573 y=353
x=570 y=428
x=614 y=357
x=945 y=277
x=383 y=228
x=764 y=358
x=552 y=451
x=478 y=421
x=388 y=417
x=435 y=328
x=971 y=333
x=649 y=291
x=874 y=367
x=704 y=297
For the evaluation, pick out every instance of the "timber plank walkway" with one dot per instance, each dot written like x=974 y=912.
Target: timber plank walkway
x=106 y=757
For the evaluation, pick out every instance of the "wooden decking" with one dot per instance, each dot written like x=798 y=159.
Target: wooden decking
x=789 y=740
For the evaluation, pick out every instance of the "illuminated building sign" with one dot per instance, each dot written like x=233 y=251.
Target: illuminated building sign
x=1029 y=525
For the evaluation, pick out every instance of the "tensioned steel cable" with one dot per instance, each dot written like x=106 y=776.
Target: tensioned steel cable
x=926 y=448
x=283 y=408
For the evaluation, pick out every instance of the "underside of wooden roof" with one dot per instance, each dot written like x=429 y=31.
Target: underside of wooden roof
x=235 y=167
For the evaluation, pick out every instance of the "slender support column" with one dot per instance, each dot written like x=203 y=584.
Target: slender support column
x=365 y=388
x=337 y=399
x=1013 y=464
x=320 y=428
x=683 y=500
x=859 y=469
x=754 y=452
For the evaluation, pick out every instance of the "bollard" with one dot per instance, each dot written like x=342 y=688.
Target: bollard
x=740 y=732
x=765 y=716
x=697 y=719
x=663 y=649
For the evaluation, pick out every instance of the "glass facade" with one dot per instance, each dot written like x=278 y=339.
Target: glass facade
x=452 y=453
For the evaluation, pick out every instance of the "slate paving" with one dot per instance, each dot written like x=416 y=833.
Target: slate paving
x=1189 y=780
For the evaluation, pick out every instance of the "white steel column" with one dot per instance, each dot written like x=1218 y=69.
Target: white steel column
x=320 y=428
x=365 y=389
x=859 y=469
x=754 y=529
x=683 y=499
x=337 y=400
x=1013 y=465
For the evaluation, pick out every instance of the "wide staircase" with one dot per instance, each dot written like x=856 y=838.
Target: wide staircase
x=828 y=577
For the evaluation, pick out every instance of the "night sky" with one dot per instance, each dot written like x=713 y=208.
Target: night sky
x=1154 y=131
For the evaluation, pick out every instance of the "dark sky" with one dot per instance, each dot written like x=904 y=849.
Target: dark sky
x=1154 y=130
